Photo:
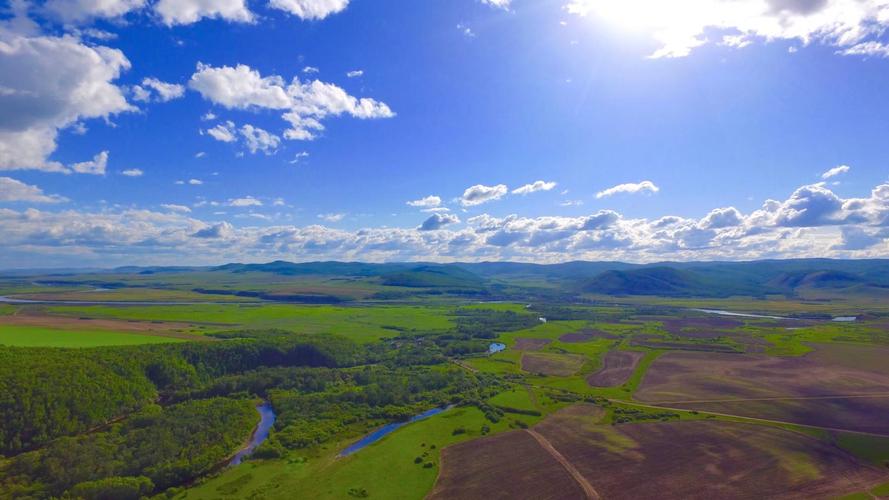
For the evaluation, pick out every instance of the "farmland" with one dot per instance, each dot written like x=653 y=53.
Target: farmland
x=619 y=398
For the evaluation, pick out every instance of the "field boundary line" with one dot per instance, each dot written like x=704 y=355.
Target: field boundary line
x=776 y=398
x=750 y=419
x=588 y=489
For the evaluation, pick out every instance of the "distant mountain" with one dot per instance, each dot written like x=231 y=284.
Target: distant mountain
x=664 y=281
x=331 y=268
x=434 y=276
x=817 y=279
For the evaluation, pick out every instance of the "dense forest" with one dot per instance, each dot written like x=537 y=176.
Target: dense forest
x=126 y=422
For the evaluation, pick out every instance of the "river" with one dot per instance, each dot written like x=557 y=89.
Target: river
x=260 y=434
x=387 y=429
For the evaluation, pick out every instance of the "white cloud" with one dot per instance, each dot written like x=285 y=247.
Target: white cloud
x=96 y=166
x=500 y=4
x=299 y=157
x=76 y=11
x=850 y=227
x=258 y=139
x=310 y=9
x=630 y=188
x=466 y=30
x=49 y=84
x=173 y=12
x=195 y=182
x=305 y=104
x=208 y=116
x=835 y=171
x=333 y=217
x=427 y=202
x=176 y=208
x=132 y=172
x=534 y=187
x=224 y=132
x=478 y=194
x=247 y=201
x=437 y=221
x=355 y=73
x=682 y=25
x=200 y=154
x=12 y=190
x=163 y=91
x=868 y=49
x=310 y=70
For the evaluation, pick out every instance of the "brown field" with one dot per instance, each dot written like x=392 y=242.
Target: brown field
x=682 y=346
x=699 y=324
x=507 y=466
x=823 y=388
x=559 y=365
x=525 y=344
x=687 y=459
x=586 y=335
x=617 y=366
x=161 y=329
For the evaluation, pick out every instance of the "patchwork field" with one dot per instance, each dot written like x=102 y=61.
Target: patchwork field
x=617 y=366
x=560 y=365
x=32 y=336
x=837 y=386
x=523 y=344
x=686 y=459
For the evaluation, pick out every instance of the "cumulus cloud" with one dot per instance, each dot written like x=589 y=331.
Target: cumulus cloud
x=258 y=139
x=355 y=73
x=629 y=188
x=96 y=166
x=224 y=132
x=310 y=9
x=176 y=208
x=247 y=201
x=500 y=4
x=810 y=222
x=132 y=172
x=681 y=26
x=12 y=190
x=332 y=217
x=478 y=194
x=152 y=88
x=534 y=187
x=173 y=12
x=77 y=11
x=437 y=221
x=430 y=201
x=835 y=171
x=304 y=104
x=49 y=84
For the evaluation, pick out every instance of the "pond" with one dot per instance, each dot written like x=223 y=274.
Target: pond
x=496 y=347
x=387 y=429
x=845 y=319
x=743 y=315
x=260 y=434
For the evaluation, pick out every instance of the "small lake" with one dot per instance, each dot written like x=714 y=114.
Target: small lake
x=260 y=434
x=387 y=429
x=496 y=347
x=845 y=319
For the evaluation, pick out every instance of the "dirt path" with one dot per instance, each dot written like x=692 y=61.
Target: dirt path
x=591 y=492
x=463 y=365
x=532 y=396
x=751 y=419
x=777 y=398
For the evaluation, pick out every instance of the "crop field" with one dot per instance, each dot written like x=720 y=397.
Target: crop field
x=616 y=369
x=694 y=459
x=826 y=387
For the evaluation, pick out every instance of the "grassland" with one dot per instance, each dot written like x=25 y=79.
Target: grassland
x=23 y=336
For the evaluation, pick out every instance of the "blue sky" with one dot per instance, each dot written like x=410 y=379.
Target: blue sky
x=187 y=131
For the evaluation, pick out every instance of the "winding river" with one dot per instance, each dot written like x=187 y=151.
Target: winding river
x=260 y=434
x=387 y=429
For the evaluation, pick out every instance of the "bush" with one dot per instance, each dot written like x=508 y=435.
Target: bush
x=113 y=488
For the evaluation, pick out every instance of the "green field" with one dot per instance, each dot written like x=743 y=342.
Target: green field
x=28 y=336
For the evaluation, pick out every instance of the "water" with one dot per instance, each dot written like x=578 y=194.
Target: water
x=845 y=319
x=260 y=434
x=387 y=429
x=744 y=315
x=496 y=347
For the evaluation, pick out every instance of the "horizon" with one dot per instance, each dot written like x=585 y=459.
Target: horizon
x=154 y=133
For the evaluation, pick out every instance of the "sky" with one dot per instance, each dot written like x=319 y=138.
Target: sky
x=174 y=132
